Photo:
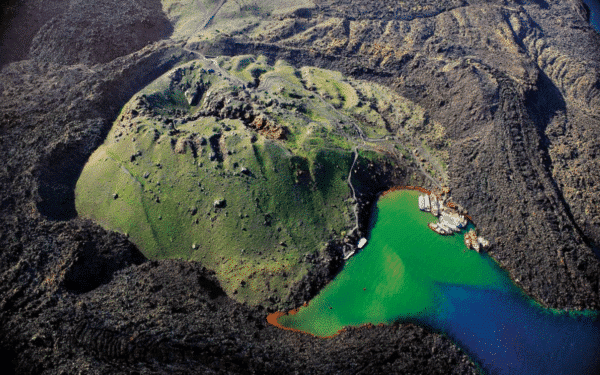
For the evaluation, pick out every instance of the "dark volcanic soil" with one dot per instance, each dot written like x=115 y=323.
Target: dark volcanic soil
x=516 y=86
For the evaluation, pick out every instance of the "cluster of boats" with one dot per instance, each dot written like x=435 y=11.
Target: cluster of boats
x=449 y=220
x=449 y=223
x=430 y=203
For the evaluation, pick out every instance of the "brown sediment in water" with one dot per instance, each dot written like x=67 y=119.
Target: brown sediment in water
x=273 y=320
x=396 y=188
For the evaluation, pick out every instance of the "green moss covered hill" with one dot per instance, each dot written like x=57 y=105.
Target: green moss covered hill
x=242 y=165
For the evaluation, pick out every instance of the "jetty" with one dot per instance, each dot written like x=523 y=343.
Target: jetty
x=361 y=243
x=347 y=256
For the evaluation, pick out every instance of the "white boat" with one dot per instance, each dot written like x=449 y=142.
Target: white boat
x=444 y=228
x=435 y=206
x=421 y=203
x=362 y=243
x=448 y=222
x=424 y=203
x=440 y=228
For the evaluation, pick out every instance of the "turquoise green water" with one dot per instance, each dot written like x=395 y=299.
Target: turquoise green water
x=395 y=275
x=409 y=273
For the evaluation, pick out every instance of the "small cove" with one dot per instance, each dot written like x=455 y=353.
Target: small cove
x=408 y=273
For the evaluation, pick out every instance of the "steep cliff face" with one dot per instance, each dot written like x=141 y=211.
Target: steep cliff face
x=511 y=92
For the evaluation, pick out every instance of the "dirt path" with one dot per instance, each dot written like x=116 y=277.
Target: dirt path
x=355 y=205
x=213 y=13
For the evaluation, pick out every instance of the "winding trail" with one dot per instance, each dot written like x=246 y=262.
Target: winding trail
x=390 y=139
x=355 y=205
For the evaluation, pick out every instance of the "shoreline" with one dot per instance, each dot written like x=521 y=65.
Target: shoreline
x=273 y=318
x=407 y=187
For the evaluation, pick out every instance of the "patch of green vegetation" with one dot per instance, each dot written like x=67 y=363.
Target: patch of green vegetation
x=405 y=153
x=186 y=174
x=329 y=85
x=168 y=100
x=282 y=207
x=191 y=18
x=246 y=67
x=444 y=165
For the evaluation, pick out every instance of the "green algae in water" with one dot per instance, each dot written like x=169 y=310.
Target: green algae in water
x=396 y=275
x=409 y=273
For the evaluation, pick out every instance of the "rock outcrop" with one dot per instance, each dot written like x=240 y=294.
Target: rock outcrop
x=100 y=31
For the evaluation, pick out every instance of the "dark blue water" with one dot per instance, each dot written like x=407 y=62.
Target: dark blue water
x=594 y=6
x=506 y=333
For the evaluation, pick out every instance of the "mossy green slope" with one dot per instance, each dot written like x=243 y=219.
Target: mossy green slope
x=191 y=18
x=235 y=163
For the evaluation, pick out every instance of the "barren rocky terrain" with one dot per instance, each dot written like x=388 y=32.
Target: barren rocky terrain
x=511 y=88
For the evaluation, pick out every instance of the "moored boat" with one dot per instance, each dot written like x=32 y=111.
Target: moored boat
x=362 y=243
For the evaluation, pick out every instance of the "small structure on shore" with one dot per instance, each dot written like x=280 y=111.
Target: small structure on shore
x=472 y=241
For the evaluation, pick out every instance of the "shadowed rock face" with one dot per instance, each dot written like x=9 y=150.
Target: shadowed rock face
x=70 y=32
x=99 y=32
x=514 y=86
x=19 y=23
